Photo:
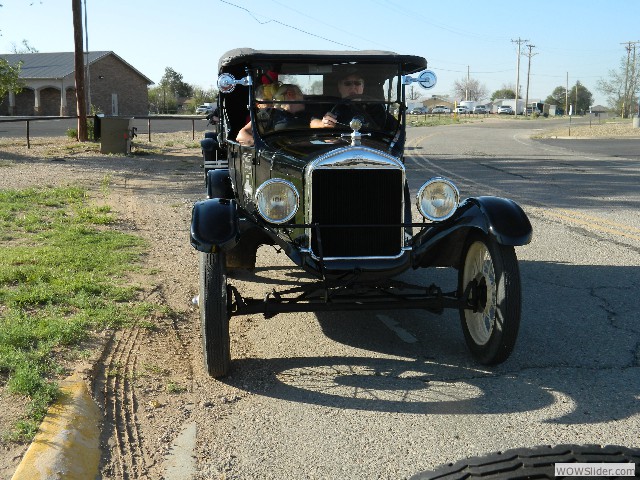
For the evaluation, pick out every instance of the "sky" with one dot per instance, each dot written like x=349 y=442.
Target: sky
x=572 y=40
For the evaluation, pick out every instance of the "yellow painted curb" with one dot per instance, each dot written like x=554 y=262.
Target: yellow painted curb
x=67 y=445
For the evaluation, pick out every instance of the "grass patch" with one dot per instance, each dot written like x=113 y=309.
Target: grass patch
x=62 y=275
x=437 y=120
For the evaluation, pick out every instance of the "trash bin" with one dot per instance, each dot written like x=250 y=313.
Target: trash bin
x=635 y=122
x=115 y=134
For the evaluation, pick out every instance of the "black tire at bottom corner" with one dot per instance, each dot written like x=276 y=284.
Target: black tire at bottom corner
x=533 y=463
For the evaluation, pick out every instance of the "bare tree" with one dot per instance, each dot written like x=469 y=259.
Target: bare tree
x=621 y=87
x=413 y=93
x=25 y=48
x=469 y=88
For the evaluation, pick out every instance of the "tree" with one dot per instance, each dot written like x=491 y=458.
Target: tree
x=165 y=97
x=469 y=89
x=414 y=94
x=504 y=92
x=557 y=97
x=201 y=96
x=620 y=99
x=26 y=48
x=9 y=78
x=172 y=82
x=580 y=97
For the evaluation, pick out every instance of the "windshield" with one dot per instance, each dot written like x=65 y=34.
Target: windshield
x=308 y=96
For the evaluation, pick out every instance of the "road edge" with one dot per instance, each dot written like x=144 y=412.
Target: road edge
x=67 y=444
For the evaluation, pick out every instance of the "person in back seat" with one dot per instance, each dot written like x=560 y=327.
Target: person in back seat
x=245 y=135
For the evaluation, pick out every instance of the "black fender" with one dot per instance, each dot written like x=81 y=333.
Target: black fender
x=219 y=183
x=214 y=225
x=208 y=146
x=441 y=244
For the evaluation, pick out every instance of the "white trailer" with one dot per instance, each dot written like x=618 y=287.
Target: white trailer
x=470 y=104
x=517 y=106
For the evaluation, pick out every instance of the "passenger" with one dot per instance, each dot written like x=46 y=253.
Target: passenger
x=245 y=135
x=289 y=115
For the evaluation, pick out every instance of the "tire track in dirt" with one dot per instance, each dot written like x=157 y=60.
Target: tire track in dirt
x=120 y=405
x=147 y=368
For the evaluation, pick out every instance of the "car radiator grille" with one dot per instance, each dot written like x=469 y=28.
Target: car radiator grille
x=357 y=197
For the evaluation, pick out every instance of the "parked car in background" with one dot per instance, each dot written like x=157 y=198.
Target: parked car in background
x=505 y=109
x=204 y=109
x=441 y=109
x=462 y=109
x=418 y=111
x=480 y=109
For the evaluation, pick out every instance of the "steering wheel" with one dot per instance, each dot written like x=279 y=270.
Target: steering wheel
x=350 y=107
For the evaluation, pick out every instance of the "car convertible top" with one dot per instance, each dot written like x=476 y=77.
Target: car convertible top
x=248 y=56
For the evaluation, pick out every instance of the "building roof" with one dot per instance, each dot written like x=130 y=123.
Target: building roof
x=55 y=65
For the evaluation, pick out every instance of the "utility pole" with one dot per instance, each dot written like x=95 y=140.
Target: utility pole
x=86 y=46
x=566 y=97
x=81 y=99
x=530 y=54
x=466 y=93
x=520 y=41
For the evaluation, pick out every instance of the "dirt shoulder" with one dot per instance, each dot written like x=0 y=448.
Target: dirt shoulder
x=616 y=129
x=142 y=377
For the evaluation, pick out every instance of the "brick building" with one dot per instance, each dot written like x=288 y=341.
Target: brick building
x=113 y=86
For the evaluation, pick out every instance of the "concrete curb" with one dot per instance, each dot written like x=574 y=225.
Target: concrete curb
x=67 y=444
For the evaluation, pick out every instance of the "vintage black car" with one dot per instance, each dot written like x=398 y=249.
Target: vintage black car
x=323 y=178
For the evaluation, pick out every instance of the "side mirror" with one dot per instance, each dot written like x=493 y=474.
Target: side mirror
x=426 y=79
x=227 y=82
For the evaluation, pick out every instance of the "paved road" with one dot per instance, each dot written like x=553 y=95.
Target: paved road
x=388 y=394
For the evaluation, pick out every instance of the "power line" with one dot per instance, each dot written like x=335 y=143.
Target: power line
x=270 y=20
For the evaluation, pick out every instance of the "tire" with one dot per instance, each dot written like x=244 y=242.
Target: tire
x=490 y=333
x=214 y=314
x=535 y=462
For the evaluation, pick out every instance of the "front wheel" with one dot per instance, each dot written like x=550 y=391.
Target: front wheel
x=491 y=279
x=214 y=314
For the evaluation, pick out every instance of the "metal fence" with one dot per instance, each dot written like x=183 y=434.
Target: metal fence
x=29 y=120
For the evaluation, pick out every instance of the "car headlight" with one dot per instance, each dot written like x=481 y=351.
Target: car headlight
x=437 y=199
x=277 y=200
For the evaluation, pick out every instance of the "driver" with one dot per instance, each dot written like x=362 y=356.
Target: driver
x=349 y=86
x=355 y=104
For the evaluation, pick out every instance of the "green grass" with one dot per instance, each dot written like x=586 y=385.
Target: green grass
x=435 y=120
x=62 y=274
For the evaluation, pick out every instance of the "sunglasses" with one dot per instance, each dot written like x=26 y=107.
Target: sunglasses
x=352 y=83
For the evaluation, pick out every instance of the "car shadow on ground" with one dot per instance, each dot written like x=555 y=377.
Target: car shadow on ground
x=577 y=355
